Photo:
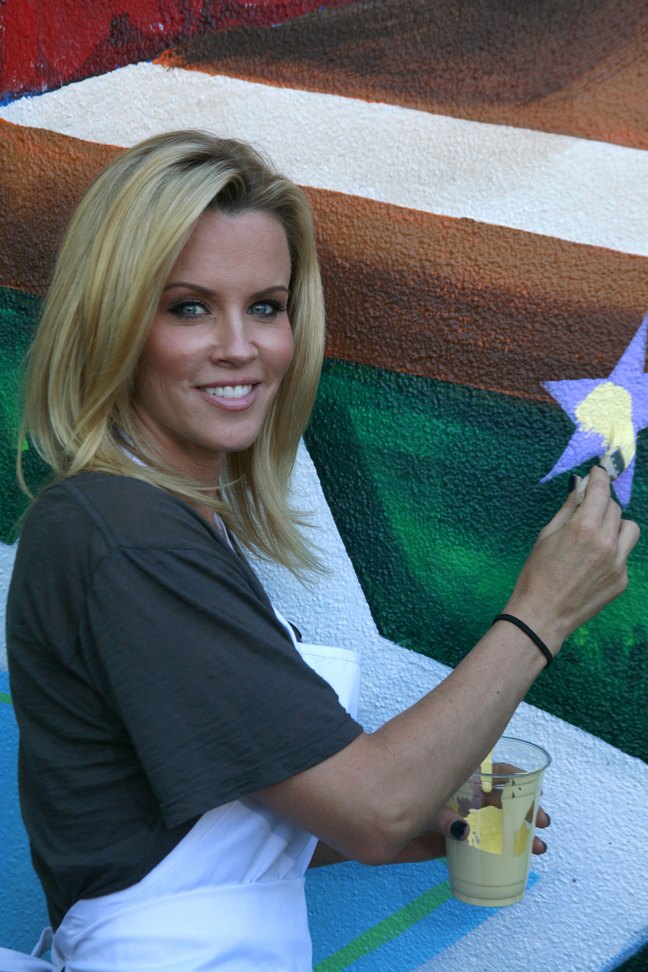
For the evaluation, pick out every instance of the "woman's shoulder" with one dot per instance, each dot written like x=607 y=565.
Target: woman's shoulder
x=125 y=510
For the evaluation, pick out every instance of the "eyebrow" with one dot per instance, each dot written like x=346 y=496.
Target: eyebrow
x=210 y=293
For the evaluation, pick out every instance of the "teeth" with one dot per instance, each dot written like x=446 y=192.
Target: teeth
x=230 y=391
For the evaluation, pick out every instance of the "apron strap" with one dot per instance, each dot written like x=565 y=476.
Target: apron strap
x=12 y=961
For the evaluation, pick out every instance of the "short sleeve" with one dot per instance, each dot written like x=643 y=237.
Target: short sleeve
x=215 y=699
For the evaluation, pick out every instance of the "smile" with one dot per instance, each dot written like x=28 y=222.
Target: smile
x=229 y=391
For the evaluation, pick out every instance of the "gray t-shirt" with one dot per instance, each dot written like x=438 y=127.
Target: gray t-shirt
x=151 y=682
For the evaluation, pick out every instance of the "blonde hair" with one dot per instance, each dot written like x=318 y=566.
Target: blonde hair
x=115 y=259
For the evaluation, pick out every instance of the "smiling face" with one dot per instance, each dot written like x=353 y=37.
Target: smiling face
x=219 y=344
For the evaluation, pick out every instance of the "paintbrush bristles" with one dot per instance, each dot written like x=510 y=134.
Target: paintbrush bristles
x=612 y=462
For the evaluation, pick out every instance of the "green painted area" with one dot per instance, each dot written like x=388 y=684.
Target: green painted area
x=5 y=697
x=435 y=490
x=638 y=962
x=18 y=315
x=386 y=930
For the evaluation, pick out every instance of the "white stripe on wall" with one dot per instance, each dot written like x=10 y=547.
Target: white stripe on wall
x=555 y=185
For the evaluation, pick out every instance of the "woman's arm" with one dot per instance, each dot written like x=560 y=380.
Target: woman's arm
x=427 y=846
x=384 y=789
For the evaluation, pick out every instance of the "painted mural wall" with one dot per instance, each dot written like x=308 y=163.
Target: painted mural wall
x=479 y=174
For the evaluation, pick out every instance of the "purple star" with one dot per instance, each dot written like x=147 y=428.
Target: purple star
x=608 y=413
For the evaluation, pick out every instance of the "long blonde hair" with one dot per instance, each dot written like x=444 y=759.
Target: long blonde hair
x=115 y=259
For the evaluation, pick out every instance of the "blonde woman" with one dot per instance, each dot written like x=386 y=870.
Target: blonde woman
x=183 y=756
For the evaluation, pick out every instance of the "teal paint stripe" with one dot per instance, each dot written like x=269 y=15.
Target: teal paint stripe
x=386 y=930
x=5 y=697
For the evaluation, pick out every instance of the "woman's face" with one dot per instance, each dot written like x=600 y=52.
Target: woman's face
x=219 y=344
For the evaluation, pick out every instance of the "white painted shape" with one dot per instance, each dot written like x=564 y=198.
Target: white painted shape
x=554 y=185
x=330 y=609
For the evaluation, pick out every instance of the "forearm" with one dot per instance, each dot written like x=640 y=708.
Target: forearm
x=427 y=751
x=371 y=799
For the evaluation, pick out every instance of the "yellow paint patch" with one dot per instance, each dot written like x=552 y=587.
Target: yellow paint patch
x=486 y=829
x=487 y=767
x=486 y=832
x=608 y=411
x=521 y=838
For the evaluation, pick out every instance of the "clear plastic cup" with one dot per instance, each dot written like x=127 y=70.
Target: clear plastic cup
x=491 y=866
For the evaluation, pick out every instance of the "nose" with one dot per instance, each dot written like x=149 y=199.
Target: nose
x=233 y=339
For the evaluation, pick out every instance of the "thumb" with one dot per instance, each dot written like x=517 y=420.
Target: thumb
x=451 y=824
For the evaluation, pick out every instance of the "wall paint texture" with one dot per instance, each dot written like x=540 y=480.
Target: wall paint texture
x=479 y=176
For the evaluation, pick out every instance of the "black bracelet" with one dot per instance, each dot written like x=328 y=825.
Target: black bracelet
x=527 y=630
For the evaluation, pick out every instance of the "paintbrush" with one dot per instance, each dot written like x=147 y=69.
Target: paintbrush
x=613 y=461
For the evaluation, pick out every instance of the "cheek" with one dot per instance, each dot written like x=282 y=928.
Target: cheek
x=163 y=359
x=285 y=353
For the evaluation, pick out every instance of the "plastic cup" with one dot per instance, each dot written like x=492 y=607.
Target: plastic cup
x=491 y=866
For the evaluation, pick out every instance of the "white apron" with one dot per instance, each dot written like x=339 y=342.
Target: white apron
x=229 y=897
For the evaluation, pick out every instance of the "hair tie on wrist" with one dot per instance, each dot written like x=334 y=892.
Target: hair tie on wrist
x=531 y=634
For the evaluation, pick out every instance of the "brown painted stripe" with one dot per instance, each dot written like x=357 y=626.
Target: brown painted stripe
x=427 y=295
x=471 y=303
x=42 y=177
x=553 y=65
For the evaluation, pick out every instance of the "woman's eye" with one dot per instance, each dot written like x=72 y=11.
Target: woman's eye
x=267 y=308
x=189 y=309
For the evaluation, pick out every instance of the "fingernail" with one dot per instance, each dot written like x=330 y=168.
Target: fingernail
x=459 y=829
x=573 y=483
x=544 y=846
x=548 y=819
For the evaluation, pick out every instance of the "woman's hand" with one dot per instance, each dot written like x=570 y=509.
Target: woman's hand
x=577 y=565
x=431 y=844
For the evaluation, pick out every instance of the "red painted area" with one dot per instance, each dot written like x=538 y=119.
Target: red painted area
x=46 y=44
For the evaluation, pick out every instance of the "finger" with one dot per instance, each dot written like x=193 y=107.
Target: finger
x=626 y=533
x=597 y=491
x=563 y=515
x=574 y=481
x=596 y=485
x=612 y=516
x=451 y=824
x=629 y=534
x=538 y=846
x=579 y=488
x=542 y=818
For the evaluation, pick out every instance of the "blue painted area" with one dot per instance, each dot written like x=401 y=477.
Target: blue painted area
x=343 y=901
x=22 y=906
x=347 y=900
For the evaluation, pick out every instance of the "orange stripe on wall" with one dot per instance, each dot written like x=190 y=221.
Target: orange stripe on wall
x=572 y=68
x=451 y=299
x=467 y=302
x=42 y=175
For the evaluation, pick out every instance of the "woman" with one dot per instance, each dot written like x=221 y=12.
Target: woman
x=179 y=748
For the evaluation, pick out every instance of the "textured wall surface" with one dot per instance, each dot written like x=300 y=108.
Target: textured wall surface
x=479 y=175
